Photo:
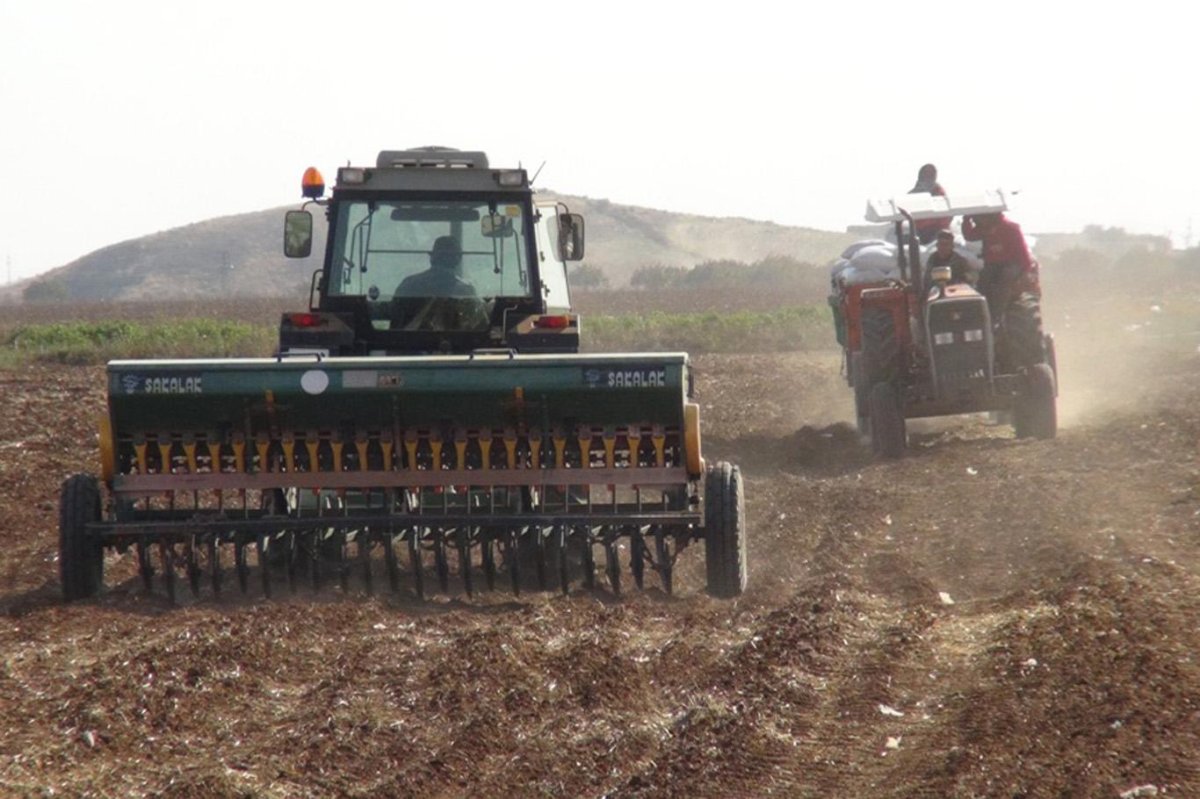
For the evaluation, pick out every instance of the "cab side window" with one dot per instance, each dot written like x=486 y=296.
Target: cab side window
x=553 y=271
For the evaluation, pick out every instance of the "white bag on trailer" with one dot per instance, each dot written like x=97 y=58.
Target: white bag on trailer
x=874 y=262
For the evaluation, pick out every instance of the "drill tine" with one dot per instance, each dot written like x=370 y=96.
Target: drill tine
x=414 y=557
x=214 y=563
x=464 y=559
x=389 y=560
x=363 y=542
x=168 y=559
x=564 y=579
x=239 y=561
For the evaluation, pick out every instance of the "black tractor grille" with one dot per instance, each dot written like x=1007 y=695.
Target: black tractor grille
x=960 y=343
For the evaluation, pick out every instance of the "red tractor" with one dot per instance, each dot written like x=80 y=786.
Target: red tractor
x=917 y=345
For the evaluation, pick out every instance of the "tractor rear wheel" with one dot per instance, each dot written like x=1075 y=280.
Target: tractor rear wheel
x=862 y=393
x=1024 y=343
x=1051 y=357
x=1035 y=412
x=889 y=436
x=725 y=531
x=80 y=554
x=880 y=348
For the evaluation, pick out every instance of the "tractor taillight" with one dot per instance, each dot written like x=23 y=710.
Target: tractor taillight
x=552 y=322
x=305 y=319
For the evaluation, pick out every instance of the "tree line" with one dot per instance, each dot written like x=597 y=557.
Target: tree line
x=772 y=271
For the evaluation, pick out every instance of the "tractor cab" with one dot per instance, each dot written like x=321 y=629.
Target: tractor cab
x=431 y=251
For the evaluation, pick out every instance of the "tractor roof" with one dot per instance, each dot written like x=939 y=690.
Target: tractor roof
x=928 y=206
x=432 y=169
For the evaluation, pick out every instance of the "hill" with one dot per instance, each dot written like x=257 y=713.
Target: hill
x=242 y=254
x=622 y=238
x=238 y=255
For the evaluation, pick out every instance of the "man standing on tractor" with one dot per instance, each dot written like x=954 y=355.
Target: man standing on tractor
x=927 y=183
x=1009 y=281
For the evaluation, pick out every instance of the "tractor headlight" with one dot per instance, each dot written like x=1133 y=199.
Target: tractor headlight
x=972 y=335
x=352 y=174
x=511 y=177
x=943 y=338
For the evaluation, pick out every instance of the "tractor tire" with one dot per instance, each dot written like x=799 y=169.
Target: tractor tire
x=862 y=393
x=889 y=435
x=839 y=319
x=80 y=555
x=1024 y=343
x=1035 y=413
x=725 y=531
x=1051 y=358
x=880 y=348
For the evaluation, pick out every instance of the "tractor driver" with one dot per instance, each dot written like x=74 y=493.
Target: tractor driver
x=944 y=255
x=442 y=278
x=438 y=298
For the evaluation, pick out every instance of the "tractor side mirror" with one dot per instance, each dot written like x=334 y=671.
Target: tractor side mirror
x=570 y=237
x=297 y=234
x=495 y=226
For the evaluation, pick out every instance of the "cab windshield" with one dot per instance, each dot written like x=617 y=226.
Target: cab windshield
x=396 y=252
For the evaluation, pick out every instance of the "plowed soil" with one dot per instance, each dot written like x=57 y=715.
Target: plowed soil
x=987 y=617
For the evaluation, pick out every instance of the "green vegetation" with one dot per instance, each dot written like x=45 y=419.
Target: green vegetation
x=772 y=272
x=100 y=341
x=45 y=290
x=588 y=276
x=798 y=328
x=658 y=276
x=95 y=342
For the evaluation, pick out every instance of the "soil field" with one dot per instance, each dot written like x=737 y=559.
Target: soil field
x=987 y=617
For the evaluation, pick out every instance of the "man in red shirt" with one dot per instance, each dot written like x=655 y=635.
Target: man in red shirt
x=1009 y=281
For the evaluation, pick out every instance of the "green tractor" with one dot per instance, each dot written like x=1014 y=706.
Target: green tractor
x=428 y=419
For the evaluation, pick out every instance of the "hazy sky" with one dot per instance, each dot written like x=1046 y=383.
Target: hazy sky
x=120 y=119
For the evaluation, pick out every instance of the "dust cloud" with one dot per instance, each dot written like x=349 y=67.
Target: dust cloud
x=1117 y=349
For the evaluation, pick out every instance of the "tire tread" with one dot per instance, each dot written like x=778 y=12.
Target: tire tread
x=725 y=531
x=80 y=560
